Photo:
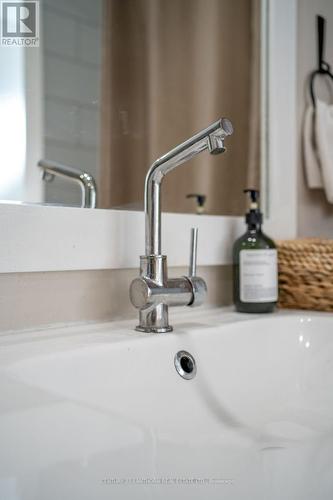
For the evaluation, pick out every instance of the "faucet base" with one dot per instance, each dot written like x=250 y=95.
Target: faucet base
x=153 y=329
x=152 y=293
x=154 y=320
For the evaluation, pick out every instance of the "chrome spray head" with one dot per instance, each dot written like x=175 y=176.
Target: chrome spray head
x=215 y=140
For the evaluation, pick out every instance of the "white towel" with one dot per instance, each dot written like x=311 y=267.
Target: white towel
x=324 y=143
x=310 y=153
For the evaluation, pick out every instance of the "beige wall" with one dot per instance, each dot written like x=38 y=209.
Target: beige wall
x=29 y=300
x=315 y=215
x=191 y=63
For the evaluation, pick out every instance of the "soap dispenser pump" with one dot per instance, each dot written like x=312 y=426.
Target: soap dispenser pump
x=255 y=264
x=201 y=200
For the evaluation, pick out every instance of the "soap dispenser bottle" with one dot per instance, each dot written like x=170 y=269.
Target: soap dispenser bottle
x=255 y=264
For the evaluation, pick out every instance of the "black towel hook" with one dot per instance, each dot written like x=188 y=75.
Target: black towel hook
x=323 y=67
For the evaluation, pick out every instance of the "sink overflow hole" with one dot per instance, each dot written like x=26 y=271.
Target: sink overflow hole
x=185 y=365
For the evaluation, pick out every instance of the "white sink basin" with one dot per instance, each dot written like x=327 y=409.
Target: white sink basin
x=100 y=412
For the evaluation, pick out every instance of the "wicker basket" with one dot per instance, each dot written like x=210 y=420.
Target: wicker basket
x=306 y=274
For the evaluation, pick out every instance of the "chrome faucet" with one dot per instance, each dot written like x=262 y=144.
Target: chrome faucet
x=84 y=179
x=152 y=293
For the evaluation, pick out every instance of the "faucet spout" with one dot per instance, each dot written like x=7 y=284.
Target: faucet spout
x=84 y=179
x=211 y=138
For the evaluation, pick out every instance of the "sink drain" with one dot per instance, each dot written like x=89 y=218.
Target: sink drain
x=185 y=365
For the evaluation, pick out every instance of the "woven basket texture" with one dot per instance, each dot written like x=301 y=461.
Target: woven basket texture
x=306 y=274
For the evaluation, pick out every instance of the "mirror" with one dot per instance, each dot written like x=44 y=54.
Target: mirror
x=114 y=84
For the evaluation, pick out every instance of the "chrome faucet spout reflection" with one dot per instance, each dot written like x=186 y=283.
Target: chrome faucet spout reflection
x=84 y=179
x=152 y=293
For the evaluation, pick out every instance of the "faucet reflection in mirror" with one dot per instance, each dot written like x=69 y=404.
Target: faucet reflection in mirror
x=152 y=293
x=84 y=179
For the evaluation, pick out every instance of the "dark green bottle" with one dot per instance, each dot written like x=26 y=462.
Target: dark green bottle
x=255 y=265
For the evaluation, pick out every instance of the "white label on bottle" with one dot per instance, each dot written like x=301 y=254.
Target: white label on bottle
x=258 y=276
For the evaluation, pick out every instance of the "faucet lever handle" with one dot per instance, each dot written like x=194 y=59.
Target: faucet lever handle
x=193 y=252
x=199 y=287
